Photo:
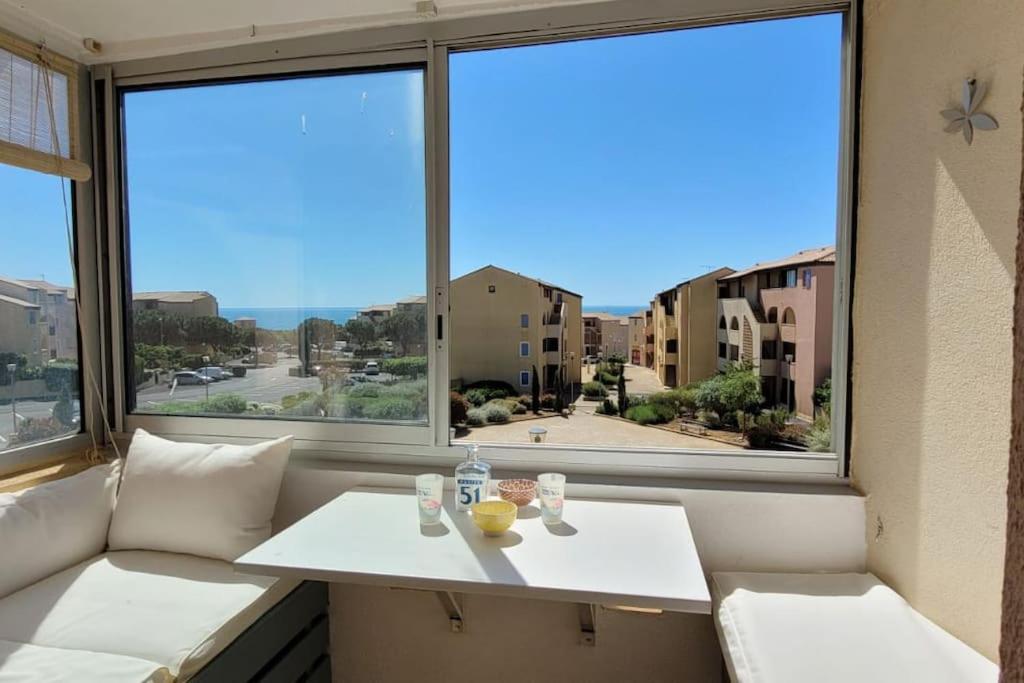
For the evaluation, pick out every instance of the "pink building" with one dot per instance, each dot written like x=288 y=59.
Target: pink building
x=778 y=317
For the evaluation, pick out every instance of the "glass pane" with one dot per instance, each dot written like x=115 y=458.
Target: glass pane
x=662 y=191
x=277 y=248
x=39 y=378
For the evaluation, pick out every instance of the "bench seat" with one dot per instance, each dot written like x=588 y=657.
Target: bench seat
x=24 y=663
x=841 y=628
x=175 y=612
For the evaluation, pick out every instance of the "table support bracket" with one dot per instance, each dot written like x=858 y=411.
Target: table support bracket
x=453 y=608
x=588 y=624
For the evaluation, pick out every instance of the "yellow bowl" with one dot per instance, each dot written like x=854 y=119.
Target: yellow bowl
x=494 y=517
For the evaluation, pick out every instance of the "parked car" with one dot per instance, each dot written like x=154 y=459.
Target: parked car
x=188 y=377
x=372 y=368
x=214 y=373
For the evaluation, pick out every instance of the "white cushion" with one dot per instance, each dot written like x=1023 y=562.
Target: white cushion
x=22 y=663
x=841 y=628
x=54 y=525
x=211 y=500
x=177 y=611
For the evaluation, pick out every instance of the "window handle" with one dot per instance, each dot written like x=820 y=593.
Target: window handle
x=440 y=327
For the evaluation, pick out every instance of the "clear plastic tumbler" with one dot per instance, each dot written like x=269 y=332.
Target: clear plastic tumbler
x=429 y=490
x=551 y=487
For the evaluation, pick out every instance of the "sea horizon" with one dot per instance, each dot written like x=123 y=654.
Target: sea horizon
x=289 y=317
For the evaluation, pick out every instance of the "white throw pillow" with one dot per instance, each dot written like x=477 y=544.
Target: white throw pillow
x=52 y=526
x=211 y=500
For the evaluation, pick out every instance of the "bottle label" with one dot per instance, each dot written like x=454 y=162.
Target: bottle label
x=469 y=490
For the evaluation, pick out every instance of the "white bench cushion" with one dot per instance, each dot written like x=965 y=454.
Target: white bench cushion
x=178 y=611
x=52 y=526
x=21 y=663
x=790 y=628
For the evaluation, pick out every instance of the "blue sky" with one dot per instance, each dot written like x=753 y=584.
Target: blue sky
x=614 y=167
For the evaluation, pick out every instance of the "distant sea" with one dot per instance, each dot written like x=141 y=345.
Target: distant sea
x=289 y=318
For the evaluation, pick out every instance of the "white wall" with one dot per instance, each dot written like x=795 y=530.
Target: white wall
x=380 y=634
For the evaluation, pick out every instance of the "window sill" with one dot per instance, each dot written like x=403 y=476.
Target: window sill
x=45 y=462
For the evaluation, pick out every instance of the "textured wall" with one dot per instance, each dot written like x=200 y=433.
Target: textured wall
x=932 y=306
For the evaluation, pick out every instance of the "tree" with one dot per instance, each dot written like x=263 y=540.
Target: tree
x=559 y=393
x=535 y=393
x=211 y=330
x=361 y=331
x=623 y=400
x=823 y=395
x=406 y=328
x=158 y=328
x=319 y=331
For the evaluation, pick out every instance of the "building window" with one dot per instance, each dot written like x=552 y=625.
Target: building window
x=773 y=315
x=490 y=289
x=550 y=344
x=721 y=322
x=274 y=234
x=734 y=352
x=768 y=349
x=807 y=278
x=734 y=324
x=524 y=320
x=791 y=277
x=788 y=317
x=524 y=349
x=547 y=293
x=33 y=232
x=722 y=349
x=524 y=378
x=672 y=346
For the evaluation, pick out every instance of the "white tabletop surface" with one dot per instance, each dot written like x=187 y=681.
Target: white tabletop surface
x=603 y=552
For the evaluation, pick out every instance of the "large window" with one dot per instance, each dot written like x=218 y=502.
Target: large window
x=277 y=256
x=700 y=160
x=39 y=366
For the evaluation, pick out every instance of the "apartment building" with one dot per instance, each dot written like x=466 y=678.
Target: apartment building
x=504 y=324
x=377 y=312
x=637 y=335
x=46 y=306
x=411 y=304
x=649 y=336
x=682 y=318
x=778 y=317
x=605 y=335
x=187 y=304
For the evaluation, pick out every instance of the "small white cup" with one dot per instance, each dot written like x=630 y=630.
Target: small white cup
x=551 y=487
x=429 y=492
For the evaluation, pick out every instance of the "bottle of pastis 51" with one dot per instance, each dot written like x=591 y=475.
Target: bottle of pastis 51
x=472 y=479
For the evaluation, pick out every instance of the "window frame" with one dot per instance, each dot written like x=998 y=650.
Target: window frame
x=524 y=349
x=429 y=46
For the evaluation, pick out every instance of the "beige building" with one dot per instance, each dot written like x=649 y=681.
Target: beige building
x=377 y=312
x=504 y=324
x=187 y=304
x=605 y=335
x=53 y=313
x=682 y=324
x=778 y=317
x=637 y=334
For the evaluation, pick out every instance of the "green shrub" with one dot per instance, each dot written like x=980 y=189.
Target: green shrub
x=594 y=390
x=61 y=376
x=823 y=395
x=310 y=407
x=496 y=413
x=63 y=412
x=476 y=417
x=606 y=408
x=366 y=390
x=477 y=397
x=459 y=408
x=547 y=401
x=687 y=399
x=408 y=366
x=650 y=413
x=495 y=388
x=391 y=408
x=292 y=400
x=736 y=390
x=764 y=428
x=525 y=401
x=668 y=399
x=224 y=403
x=819 y=436
x=32 y=429
x=510 y=404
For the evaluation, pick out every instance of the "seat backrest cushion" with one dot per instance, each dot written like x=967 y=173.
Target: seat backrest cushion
x=53 y=526
x=210 y=500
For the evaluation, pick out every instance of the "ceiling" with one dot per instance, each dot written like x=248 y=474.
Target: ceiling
x=129 y=29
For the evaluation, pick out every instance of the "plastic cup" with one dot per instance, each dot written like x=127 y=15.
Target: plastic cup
x=551 y=487
x=429 y=490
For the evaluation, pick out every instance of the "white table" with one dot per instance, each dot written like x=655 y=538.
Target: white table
x=614 y=553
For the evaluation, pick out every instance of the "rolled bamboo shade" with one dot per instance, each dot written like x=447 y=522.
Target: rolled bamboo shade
x=32 y=81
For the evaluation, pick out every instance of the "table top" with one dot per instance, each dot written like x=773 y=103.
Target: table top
x=604 y=552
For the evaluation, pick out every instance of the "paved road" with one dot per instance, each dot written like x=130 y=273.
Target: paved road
x=639 y=380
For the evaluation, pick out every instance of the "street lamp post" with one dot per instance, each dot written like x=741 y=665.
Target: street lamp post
x=12 y=372
x=206 y=376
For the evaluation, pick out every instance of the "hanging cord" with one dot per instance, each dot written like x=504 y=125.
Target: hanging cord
x=95 y=454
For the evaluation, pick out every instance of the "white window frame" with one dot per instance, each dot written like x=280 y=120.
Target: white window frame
x=524 y=349
x=429 y=44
